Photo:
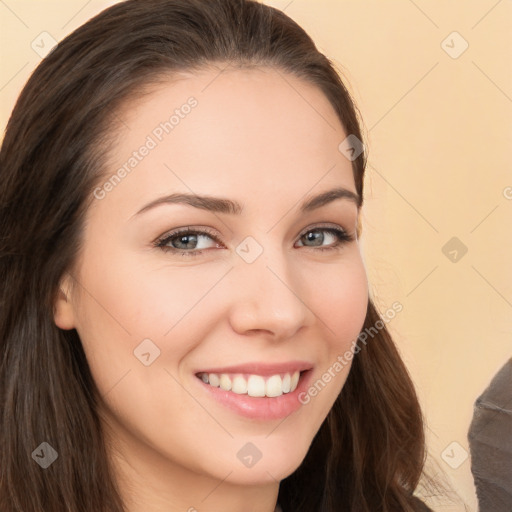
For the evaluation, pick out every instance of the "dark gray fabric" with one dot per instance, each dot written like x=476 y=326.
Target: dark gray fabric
x=490 y=443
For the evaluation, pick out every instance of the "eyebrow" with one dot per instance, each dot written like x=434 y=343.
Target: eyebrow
x=228 y=206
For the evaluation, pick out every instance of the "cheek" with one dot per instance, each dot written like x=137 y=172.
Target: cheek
x=338 y=295
x=126 y=301
x=140 y=299
x=339 y=298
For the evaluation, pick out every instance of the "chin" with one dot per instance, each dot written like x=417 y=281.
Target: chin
x=276 y=462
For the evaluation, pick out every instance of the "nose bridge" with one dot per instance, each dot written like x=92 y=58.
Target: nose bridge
x=268 y=294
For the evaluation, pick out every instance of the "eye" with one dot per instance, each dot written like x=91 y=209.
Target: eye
x=190 y=241
x=317 y=237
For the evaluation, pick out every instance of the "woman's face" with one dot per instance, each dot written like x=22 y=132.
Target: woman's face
x=253 y=294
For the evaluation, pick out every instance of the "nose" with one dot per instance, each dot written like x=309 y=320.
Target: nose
x=268 y=298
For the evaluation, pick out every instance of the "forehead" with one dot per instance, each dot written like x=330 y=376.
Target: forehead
x=204 y=131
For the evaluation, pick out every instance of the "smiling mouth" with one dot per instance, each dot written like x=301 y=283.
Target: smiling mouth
x=253 y=385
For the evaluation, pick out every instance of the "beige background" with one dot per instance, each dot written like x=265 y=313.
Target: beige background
x=438 y=132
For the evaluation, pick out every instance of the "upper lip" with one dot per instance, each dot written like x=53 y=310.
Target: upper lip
x=264 y=369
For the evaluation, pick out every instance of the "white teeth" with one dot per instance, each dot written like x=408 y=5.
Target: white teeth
x=287 y=383
x=274 y=386
x=213 y=379
x=254 y=385
x=239 y=385
x=294 y=381
x=225 y=382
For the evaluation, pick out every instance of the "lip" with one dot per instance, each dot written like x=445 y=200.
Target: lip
x=263 y=369
x=258 y=408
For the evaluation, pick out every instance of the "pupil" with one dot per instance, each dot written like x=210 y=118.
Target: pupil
x=185 y=239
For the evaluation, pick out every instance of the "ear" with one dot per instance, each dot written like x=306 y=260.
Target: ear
x=63 y=312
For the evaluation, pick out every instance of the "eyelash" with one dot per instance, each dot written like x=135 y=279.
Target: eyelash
x=161 y=243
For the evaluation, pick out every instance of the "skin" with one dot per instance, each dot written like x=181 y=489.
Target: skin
x=255 y=139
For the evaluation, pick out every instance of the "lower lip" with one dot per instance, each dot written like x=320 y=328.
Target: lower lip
x=260 y=408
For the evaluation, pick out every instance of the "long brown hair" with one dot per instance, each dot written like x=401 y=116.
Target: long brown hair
x=369 y=453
